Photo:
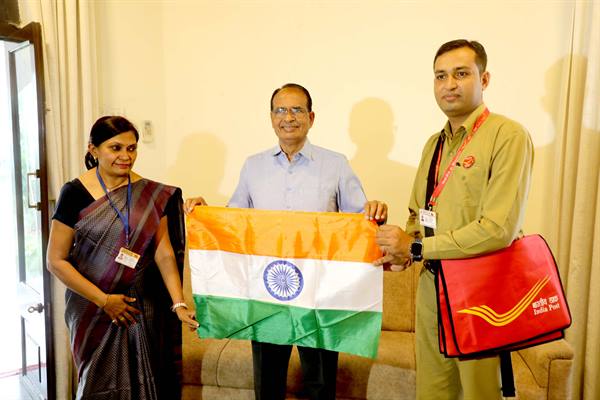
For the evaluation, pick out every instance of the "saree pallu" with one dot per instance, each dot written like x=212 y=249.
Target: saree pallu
x=142 y=362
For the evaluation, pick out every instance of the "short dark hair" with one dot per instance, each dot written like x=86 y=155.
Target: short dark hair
x=105 y=128
x=294 y=86
x=480 y=54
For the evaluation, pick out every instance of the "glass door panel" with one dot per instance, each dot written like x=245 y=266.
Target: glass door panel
x=30 y=205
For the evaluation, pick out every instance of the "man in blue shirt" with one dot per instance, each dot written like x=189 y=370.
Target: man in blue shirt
x=297 y=175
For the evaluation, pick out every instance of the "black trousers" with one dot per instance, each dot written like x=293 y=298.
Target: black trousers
x=319 y=368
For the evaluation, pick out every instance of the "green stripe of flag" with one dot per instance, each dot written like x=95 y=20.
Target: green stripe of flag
x=355 y=332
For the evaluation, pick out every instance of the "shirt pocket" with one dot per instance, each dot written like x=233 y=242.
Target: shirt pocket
x=466 y=185
x=319 y=196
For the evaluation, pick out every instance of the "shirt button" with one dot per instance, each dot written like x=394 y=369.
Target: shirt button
x=289 y=171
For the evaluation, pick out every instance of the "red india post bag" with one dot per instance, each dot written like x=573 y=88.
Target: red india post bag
x=502 y=301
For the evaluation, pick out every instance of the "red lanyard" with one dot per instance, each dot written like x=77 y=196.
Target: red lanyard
x=440 y=186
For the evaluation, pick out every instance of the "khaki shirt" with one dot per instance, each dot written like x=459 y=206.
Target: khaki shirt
x=481 y=208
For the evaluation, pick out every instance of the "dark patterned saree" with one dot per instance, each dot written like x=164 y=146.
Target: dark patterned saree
x=142 y=362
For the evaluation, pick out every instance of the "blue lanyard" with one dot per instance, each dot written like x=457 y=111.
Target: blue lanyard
x=124 y=218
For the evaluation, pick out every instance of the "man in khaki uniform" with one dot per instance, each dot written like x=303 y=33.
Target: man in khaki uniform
x=468 y=199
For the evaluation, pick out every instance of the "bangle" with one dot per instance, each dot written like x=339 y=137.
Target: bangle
x=105 y=301
x=178 y=305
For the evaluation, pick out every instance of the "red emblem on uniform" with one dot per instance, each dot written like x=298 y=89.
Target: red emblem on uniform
x=468 y=162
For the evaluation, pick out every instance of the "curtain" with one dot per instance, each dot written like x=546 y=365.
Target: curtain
x=71 y=85
x=576 y=197
x=71 y=106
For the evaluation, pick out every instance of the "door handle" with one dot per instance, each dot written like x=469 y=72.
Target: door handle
x=36 y=175
x=37 y=308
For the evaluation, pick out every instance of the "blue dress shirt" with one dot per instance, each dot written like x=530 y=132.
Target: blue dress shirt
x=316 y=179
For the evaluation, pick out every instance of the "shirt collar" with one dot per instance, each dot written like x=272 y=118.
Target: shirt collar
x=466 y=126
x=307 y=151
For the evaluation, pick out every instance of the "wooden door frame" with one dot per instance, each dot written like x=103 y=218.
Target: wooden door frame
x=33 y=33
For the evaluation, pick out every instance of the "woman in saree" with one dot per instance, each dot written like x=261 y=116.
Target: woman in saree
x=117 y=242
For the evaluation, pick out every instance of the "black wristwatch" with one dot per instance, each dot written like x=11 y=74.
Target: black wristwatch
x=416 y=250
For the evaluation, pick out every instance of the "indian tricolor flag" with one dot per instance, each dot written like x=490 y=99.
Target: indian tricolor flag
x=302 y=278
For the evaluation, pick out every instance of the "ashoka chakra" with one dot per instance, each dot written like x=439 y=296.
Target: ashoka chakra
x=283 y=280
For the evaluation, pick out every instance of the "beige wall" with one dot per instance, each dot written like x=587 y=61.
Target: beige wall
x=203 y=72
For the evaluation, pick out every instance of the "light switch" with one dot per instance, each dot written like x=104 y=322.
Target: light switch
x=147 y=132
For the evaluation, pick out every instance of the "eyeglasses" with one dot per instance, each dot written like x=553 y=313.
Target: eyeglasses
x=296 y=111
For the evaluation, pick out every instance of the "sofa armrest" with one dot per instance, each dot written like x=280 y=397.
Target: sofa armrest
x=550 y=365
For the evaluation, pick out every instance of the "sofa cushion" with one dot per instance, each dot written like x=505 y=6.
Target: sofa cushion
x=356 y=374
x=386 y=382
x=228 y=363
x=399 y=290
x=194 y=352
x=397 y=349
x=224 y=393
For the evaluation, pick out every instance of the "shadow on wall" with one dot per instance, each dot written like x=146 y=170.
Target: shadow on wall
x=372 y=130
x=199 y=168
x=555 y=101
x=538 y=202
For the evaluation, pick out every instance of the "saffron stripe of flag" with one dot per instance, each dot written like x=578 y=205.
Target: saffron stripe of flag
x=286 y=278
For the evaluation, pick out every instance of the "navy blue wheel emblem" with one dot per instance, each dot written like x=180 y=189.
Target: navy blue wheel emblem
x=283 y=280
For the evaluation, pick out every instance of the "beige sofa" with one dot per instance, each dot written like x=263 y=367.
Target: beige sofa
x=222 y=369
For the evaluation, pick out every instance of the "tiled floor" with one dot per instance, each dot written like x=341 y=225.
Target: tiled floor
x=10 y=389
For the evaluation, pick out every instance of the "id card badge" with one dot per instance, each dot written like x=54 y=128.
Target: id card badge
x=127 y=257
x=427 y=218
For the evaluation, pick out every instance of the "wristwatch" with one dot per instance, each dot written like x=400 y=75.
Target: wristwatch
x=416 y=250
